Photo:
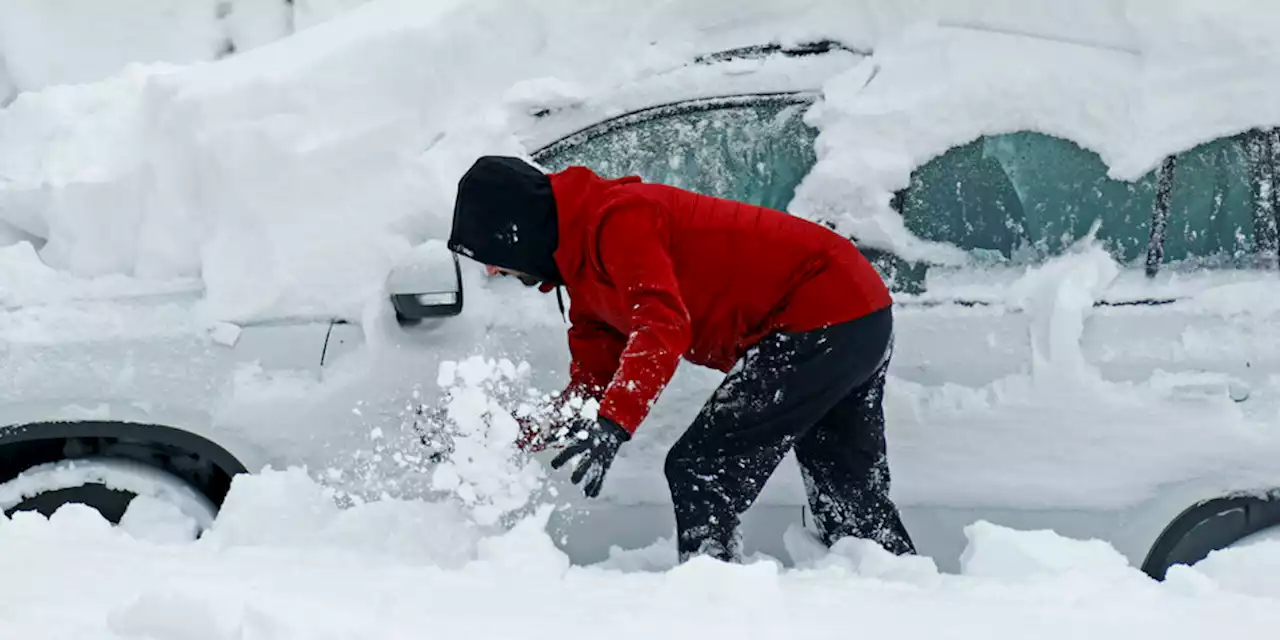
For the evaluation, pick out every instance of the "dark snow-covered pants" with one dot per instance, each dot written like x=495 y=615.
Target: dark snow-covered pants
x=819 y=392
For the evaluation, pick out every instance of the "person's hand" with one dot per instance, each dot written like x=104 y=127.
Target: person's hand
x=532 y=437
x=546 y=425
x=597 y=442
x=539 y=430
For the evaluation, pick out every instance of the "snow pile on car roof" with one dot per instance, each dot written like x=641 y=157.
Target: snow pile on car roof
x=1187 y=73
x=290 y=177
x=282 y=562
x=45 y=43
x=50 y=42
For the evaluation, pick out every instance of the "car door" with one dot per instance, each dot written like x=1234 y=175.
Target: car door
x=1049 y=375
x=1190 y=241
x=1020 y=205
x=1203 y=314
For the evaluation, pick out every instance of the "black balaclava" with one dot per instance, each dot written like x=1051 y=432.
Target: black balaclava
x=505 y=216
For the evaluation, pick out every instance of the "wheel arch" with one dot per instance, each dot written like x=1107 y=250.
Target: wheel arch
x=205 y=464
x=1210 y=525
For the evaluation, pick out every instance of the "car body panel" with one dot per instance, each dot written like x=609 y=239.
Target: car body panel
x=147 y=360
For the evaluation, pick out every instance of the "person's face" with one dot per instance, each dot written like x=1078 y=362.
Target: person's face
x=526 y=279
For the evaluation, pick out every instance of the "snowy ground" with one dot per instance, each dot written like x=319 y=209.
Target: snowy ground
x=283 y=562
x=152 y=181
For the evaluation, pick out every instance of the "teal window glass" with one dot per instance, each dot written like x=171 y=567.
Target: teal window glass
x=757 y=152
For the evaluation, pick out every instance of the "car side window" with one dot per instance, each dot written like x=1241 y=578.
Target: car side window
x=1023 y=197
x=1214 y=210
x=756 y=152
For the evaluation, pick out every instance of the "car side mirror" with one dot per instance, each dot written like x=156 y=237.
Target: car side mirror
x=427 y=284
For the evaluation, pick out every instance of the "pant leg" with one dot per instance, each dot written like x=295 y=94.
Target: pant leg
x=846 y=471
x=780 y=390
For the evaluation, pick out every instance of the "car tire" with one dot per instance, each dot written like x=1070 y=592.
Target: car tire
x=107 y=485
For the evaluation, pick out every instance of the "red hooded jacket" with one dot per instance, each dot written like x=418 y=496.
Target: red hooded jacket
x=655 y=273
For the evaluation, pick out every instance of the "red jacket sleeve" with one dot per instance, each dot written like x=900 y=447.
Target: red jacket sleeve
x=594 y=350
x=634 y=241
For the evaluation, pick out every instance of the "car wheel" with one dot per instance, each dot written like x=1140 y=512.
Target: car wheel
x=111 y=486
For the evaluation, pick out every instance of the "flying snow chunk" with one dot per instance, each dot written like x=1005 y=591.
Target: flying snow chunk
x=1000 y=552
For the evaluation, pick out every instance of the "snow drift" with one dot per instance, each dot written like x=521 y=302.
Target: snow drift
x=44 y=43
x=283 y=561
x=284 y=182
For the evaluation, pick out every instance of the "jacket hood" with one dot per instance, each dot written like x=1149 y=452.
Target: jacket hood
x=505 y=216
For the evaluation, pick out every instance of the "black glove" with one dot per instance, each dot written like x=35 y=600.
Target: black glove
x=597 y=441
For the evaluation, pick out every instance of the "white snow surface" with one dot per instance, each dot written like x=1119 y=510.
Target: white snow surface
x=283 y=561
x=284 y=182
x=50 y=42
x=44 y=43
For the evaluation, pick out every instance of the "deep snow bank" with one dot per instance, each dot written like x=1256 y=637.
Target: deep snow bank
x=1170 y=76
x=51 y=42
x=346 y=139
x=282 y=561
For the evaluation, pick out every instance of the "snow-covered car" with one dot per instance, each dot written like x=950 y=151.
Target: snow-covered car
x=1126 y=389
x=1123 y=390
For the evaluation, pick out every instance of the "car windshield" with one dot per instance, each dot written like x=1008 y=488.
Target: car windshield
x=755 y=152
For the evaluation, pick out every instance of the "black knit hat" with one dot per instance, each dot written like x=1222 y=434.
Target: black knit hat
x=505 y=216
